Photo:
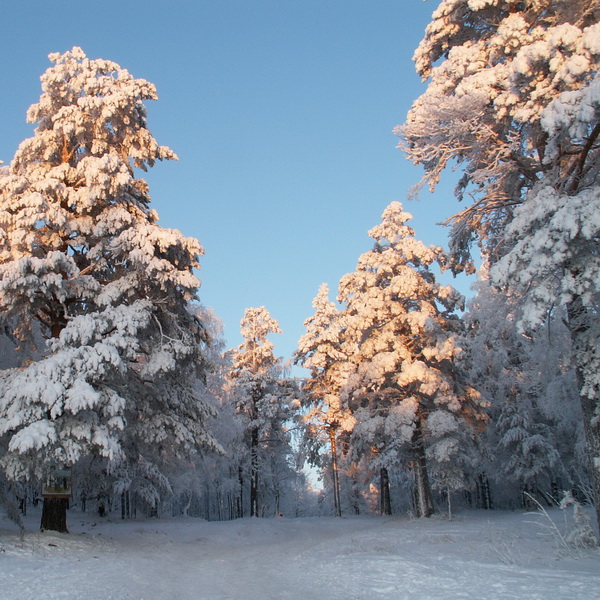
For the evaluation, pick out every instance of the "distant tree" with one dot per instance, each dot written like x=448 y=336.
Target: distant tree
x=513 y=97
x=218 y=472
x=206 y=484
x=321 y=349
x=406 y=391
x=96 y=290
x=262 y=399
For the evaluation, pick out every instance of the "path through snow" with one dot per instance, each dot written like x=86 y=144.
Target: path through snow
x=490 y=555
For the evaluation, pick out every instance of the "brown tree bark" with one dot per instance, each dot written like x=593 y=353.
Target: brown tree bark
x=335 y=472
x=254 y=473
x=240 y=499
x=424 y=498
x=384 y=492
x=54 y=515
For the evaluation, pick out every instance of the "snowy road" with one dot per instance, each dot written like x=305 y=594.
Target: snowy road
x=480 y=555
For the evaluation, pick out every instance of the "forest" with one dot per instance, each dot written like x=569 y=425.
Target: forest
x=118 y=393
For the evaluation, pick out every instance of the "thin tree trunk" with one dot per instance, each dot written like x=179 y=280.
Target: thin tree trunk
x=335 y=473
x=186 y=508
x=484 y=495
x=585 y=352
x=384 y=492
x=254 y=473
x=219 y=501
x=207 y=503
x=230 y=507
x=424 y=499
x=125 y=505
x=278 y=512
x=54 y=514
x=241 y=496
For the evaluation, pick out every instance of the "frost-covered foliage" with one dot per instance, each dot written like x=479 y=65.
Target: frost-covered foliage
x=93 y=288
x=326 y=418
x=405 y=387
x=582 y=535
x=511 y=92
x=205 y=483
x=263 y=400
x=208 y=485
x=256 y=351
x=534 y=439
x=526 y=440
x=8 y=501
x=553 y=232
x=514 y=100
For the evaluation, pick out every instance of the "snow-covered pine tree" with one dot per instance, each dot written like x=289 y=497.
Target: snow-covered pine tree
x=514 y=97
x=207 y=484
x=557 y=400
x=406 y=390
x=534 y=410
x=526 y=445
x=321 y=350
x=263 y=403
x=95 y=289
x=216 y=475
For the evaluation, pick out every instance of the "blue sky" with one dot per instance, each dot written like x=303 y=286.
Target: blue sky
x=281 y=112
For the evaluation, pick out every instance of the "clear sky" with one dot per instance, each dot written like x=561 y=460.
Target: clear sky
x=281 y=112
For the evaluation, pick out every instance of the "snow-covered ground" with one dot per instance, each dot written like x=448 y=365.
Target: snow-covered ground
x=479 y=554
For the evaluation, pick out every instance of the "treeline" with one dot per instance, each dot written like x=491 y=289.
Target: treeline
x=114 y=377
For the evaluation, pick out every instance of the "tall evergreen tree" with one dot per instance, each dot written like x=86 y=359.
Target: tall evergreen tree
x=406 y=390
x=514 y=98
x=95 y=289
x=321 y=350
x=263 y=403
x=531 y=387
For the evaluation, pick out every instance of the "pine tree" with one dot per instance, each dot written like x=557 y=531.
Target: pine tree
x=514 y=98
x=406 y=390
x=321 y=350
x=262 y=402
x=534 y=409
x=95 y=289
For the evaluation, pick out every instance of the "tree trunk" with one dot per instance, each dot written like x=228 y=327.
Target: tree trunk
x=54 y=514
x=54 y=510
x=424 y=499
x=483 y=492
x=207 y=503
x=219 y=501
x=585 y=353
x=254 y=473
x=241 y=496
x=384 y=492
x=277 y=493
x=125 y=505
x=335 y=473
